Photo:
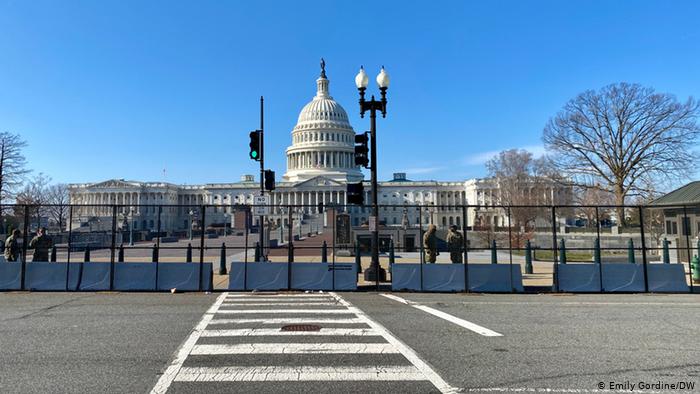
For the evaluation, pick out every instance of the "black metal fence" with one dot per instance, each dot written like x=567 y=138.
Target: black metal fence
x=534 y=236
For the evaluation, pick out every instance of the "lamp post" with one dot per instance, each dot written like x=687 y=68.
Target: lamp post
x=190 y=226
x=374 y=272
x=131 y=227
x=226 y=216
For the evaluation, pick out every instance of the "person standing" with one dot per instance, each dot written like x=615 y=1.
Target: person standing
x=41 y=245
x=12 y=246
x=455 y=242
x=430 y=244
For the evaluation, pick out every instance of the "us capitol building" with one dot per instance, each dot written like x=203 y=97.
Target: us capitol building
x=320 y=162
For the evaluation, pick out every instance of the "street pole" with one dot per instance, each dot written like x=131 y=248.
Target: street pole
x=375 y=271
x=375 y=207
x=190 y=232
x=262 y=181
x=131 y=229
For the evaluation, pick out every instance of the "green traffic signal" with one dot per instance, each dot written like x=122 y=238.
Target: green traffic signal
x=255 y=145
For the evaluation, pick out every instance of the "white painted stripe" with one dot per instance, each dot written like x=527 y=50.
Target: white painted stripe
x=581 y=303
x=300 y=373
x=404 y=349
x=295 y=311
x=295 y=348
x=167 y=377
x=289 y=320
x=227 y=304
x=446 y=316
x=281 y=299
x=552 y=390
x=300 y=295
x=254 y=332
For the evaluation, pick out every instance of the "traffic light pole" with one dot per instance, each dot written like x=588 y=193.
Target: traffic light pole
x=262 y=180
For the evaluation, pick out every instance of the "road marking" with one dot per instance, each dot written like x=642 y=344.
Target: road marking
x=295 y=348
x=552 y=390
x=446 y=316
x=299 y=295
x=227 y=304
x=404 y=349
x=281 y=299
x=299 y=311
x=300 y=373
x=579 y=303
x=254 y=332
x=289 y=320
x=167 y=378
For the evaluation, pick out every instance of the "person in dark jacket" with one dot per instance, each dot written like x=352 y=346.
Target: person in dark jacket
x=12 y=246
x=41 y=245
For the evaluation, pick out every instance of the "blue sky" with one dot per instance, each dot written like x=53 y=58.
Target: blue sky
x=124 y=89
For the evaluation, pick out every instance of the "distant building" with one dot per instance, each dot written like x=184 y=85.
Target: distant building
x=320 y=163
x=681 y=219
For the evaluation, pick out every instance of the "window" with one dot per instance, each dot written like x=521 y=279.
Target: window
x=671 y=227
x=686 y=226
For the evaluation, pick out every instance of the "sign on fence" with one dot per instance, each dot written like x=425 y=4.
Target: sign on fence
x=258 y=203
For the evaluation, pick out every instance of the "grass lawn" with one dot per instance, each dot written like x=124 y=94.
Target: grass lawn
x=547 y=255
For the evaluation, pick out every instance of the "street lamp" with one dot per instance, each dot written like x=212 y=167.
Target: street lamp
x=131 y=227
x=374 y=272
x=226 y=216
x=191 y=213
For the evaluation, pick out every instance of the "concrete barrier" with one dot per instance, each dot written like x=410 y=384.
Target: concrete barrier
x=320 y=276
x=304 y=276
x=450 y=277
x=495 y=278
x=667 y=278
x=578 y=278
x=10 y=276
x=623 y=277
x=135 y=276
x=45 y=276
x=260 y=276
x=88 y=276
x=183 y=276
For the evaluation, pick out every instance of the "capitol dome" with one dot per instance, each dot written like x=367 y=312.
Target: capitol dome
x=323 y=140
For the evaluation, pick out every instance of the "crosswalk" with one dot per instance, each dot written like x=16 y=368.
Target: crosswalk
x=305 y=343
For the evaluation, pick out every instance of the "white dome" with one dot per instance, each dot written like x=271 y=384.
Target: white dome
x=323 y=140
x=323 y=109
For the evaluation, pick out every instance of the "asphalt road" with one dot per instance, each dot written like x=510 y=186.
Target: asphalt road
x=108 y=342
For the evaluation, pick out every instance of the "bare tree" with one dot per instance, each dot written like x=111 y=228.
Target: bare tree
x=12 y=164
x=522 y=182
x=623 y=138
x=58 y=200
x=590 y=199
x=34 y=196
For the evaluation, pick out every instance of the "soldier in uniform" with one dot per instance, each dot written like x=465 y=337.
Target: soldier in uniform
x=12 y=247
x=430 y=244
x=455 y=242
x=41 y=245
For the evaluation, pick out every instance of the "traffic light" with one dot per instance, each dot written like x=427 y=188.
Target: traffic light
x=356 y=193
x=320 y=207
x=361 y=150
x=269 y=180
x=255 y=147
